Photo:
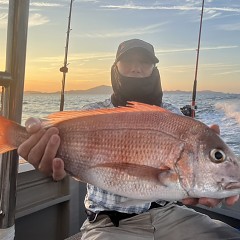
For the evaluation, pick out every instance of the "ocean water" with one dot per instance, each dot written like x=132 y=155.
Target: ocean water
x=213 y=108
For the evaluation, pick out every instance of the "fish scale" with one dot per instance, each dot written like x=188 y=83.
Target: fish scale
x=140 y=151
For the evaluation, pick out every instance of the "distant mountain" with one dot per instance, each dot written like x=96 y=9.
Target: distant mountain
x=32 y=92
x=190 y=92
x=103 y=89
x=177 y=91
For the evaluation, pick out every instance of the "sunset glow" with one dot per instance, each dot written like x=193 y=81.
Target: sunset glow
x=99 y=26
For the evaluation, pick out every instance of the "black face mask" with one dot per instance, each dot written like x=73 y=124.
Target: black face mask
x=146 y=90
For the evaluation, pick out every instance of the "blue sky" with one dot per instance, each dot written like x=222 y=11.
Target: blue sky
x=99 y=26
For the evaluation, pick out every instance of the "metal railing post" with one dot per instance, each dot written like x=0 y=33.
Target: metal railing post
x=13 y=81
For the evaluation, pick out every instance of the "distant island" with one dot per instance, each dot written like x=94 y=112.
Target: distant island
x=104 y=89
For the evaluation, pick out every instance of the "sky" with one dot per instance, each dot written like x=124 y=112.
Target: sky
x=171 y=26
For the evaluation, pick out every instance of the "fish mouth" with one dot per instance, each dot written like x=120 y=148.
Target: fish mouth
x=233 y=185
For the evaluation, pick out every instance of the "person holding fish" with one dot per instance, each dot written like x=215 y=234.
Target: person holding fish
x=143 y=159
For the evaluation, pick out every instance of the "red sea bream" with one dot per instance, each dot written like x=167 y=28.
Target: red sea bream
x=140 y=151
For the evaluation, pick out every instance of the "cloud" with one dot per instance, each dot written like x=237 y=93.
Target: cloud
x=225 y=9
x=173 y=8
x=44 y=4
x=227 y=72
x=155 y=7
x=230 y=27
x=160 y=51
x=4 y=6
x=209 y=12
x=86 y=57
x=218 y=68
x=37 y=19
x=3 y=16
x=177 y=68
x=3 y=20
x=75 y=58
x=94 y=1
x=4 y=2
x=222 y=68
x=126 y=32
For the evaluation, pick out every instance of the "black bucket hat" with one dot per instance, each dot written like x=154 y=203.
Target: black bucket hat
x=125 y=46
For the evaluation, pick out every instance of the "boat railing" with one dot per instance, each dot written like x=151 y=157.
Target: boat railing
x=12 y=80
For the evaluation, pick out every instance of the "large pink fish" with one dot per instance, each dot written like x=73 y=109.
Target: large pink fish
x=140 y=151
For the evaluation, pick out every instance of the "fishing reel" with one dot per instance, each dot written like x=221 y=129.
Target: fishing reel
x=187 y=110
x=63 y=69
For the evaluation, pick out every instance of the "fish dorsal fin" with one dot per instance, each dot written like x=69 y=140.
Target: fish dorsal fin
x=145 y=107
x=59 y=117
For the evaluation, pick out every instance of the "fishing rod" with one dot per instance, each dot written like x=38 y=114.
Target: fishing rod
x=189 y=110
x=64 y=69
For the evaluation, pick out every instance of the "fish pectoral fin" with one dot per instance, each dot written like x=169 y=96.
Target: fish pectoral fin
x=168 y=178
x=140 y=171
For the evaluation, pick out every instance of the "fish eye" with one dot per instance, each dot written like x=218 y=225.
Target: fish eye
x=217 y=156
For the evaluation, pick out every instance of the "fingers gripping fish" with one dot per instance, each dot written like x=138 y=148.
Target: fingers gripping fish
x=139 y=151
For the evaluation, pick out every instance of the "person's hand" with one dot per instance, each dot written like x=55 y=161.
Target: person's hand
x=211 y=202
x=40 y=149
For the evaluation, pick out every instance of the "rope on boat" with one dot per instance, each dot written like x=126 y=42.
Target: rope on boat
x=7 y=233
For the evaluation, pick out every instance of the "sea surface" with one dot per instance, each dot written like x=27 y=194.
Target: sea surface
x=213 y=108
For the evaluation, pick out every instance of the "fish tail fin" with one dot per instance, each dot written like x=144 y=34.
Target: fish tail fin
x=6 y=138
